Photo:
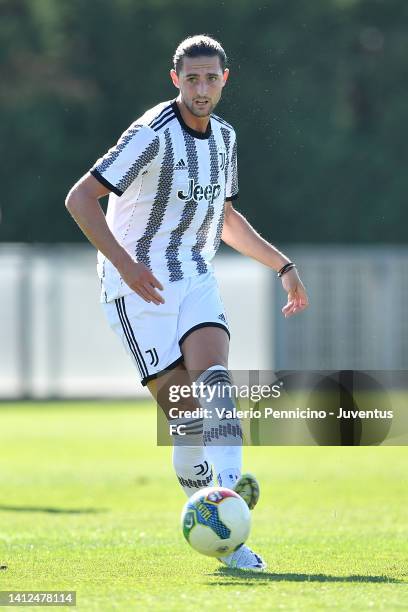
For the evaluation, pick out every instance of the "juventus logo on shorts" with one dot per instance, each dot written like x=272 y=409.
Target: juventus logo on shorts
x=153 y=356
x=223 y=160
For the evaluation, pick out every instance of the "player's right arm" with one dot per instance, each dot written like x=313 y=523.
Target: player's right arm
x=83 y=204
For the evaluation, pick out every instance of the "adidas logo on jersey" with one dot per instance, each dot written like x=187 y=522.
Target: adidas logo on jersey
x=198 y=192
x=181 y=165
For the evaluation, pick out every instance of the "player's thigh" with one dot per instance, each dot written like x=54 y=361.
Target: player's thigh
x=205 y=347
x=166 y=391
x=148 y=332
x=203 y=326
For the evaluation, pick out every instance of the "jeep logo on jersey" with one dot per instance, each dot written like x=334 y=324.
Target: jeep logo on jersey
x=198 y=192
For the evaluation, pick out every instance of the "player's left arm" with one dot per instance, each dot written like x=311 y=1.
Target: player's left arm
x=239 y=234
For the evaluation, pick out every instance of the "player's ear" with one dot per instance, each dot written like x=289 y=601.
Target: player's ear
x=174 y=78
x=225 y=75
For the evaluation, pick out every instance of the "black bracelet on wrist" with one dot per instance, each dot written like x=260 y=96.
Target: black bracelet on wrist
x=286 y=268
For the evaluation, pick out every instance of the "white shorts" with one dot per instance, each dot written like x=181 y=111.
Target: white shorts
x=152 y=335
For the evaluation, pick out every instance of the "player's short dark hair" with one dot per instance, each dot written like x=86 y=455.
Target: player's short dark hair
x=196 y=46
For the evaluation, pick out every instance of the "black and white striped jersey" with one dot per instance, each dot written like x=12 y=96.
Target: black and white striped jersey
x=168 y=187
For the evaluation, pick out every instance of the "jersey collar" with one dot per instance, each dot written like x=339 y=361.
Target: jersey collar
x=202 y=135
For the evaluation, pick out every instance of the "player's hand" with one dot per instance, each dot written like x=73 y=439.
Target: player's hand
x=297 y=296
x=138 y=277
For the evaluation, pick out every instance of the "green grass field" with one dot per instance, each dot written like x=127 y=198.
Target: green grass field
x=89 y=503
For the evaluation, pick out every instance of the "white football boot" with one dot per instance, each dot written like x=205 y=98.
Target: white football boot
x=244 y=558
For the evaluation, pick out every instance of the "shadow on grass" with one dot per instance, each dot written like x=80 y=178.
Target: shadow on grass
x=51 y=510
x=248 y=578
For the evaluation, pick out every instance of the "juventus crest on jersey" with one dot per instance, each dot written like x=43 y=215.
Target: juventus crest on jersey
x=168 y=186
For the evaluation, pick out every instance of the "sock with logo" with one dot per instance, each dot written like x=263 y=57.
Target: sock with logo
x=193 y=470
x=222 y=436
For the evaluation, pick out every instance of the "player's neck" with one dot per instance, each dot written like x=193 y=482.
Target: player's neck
x=199 y=124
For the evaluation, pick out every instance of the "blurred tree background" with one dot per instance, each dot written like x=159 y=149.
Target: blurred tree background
x=318 y=96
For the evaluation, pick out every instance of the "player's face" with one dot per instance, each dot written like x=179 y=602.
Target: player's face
x=200 y=82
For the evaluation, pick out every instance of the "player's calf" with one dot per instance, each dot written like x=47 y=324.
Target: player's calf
x=192 y=469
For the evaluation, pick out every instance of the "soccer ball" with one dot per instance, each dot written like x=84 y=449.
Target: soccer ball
x=215 y=521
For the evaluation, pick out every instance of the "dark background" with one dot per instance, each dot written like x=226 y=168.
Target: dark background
x=318 y=96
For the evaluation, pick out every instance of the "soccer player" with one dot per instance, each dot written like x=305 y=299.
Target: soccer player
x=172 y=179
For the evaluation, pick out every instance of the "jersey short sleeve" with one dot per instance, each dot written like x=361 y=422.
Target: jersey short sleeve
x=135 y=150
x=231 y=187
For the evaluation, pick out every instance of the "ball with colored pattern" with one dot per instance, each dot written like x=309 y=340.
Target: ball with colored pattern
x=215 y=521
